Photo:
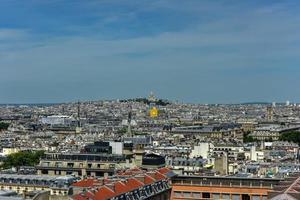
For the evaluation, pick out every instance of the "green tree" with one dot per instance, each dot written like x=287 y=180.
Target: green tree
x=4 y=126
x=22 y=158
x=247 y=138
x=292 y=136
x=122 y=131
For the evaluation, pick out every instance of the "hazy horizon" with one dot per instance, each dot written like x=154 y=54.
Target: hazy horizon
x=189 y=51
x=130 y=98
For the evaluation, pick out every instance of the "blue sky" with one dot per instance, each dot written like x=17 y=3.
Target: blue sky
x=192 y=51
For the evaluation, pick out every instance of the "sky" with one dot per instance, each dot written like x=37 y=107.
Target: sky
x=193 y=51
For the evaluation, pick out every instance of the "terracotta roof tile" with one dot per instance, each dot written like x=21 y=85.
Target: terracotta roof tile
x=133 y=183
x=112 y=188
x=164 y=170
x=90 y=194
x=86 y=183
x=104 y=193
x=79 y=197
x=121 y=187
x=158 y=176
x=148 y=180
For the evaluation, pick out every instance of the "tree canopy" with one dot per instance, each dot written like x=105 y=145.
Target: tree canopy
x=22 y=158
x=3 y=126
x=247 y=138
x=292 y=136
x=159 y=102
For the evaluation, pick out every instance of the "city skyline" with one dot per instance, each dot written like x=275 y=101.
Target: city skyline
x=192 y=51
x=273 y=103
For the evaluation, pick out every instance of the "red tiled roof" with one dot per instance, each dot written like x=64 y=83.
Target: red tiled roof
x=148 y=180
x=104 y=193
x=121 y=187
x=164 y=170
x=79 y=197
x=133 y=183
x=158 y=176
x=136 y=170
x=86 y=183
x=127 y=173
x=90 y=194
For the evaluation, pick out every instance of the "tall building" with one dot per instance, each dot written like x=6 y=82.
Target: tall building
x=129 y=132
x=270 y=113
x=95 y=160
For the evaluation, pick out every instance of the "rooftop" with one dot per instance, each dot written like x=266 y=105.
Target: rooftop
x=124 y=183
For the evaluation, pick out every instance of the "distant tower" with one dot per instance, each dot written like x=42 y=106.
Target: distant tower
x=270 y=113
x=274 y=104
x=63 y=109
x=129 y=132
x=78 y=114
x=287 y=103
x=253 y=155
x=151 y=97
x=78 y=128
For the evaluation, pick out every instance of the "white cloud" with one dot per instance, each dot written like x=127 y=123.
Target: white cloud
x=254 y=39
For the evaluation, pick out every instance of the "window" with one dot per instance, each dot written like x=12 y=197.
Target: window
x=186 y=194
x=235 y=197
x=226 y=196
x=98 y=174
x=255 y=197
x=112 y=166
x=196 y=195
x=245 y=197
x=45 y=164
x=57 y=172
x=70 y=165
x=206 y=195
x=215 y=196
x=58 y=164
x=177 y=194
